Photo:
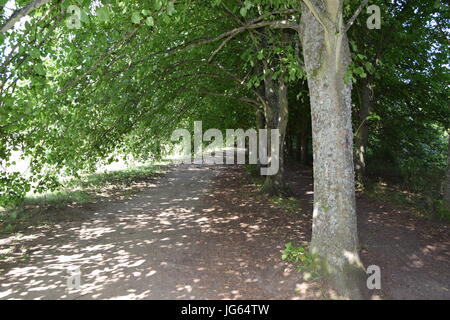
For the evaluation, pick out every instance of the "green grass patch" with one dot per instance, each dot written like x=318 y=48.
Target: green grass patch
x=58 y=198
x=116 y=177
x=289 y=205
x=34 y=209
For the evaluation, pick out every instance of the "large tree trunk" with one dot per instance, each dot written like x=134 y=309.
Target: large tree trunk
x=447 y=184
x=334 y=234
x=362 y=134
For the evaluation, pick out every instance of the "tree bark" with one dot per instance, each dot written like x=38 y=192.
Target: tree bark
x=276 y=114
x=362 y=134
x=261 y=124
x=334 y=233
x=18 y=14
x=303 y=140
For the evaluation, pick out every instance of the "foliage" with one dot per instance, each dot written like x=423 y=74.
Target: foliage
x=136 y=70
x=252 y=169
x=289 y=205
x=442 y=211
x=421 y=204
x=32 y=209
x=303 y=260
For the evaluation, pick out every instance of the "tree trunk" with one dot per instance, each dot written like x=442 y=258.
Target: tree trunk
x=447 y=184
x=282 y=126
x=261 y=124
x=334 y=234
x=303 y=140
x=362 y=134
x=276 y=115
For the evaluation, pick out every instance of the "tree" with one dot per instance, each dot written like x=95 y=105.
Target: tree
x=327 y=57
x=173 y=62
x=20 y=13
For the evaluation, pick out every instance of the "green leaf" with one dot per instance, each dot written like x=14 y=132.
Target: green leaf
x=149 y=21
x=373 y=116
x=34 y=53
x=348 y=76
x=157 y=4
x=260 y=55
x=136 y=17
x=359 y=71
x=166 y=18
x=84 y=17
x=170 y=9
x=39 y=69
x=103 y=14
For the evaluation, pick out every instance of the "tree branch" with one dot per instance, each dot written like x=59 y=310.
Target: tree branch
x=18 y=14
x=243 y=99
x=322 y=17
x=276 y=24
x=355 y=15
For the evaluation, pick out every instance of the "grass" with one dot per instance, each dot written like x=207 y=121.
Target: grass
x=57 y=198
x=88 y=187
x=33 y=210
x=126 y=176
x=289 y=205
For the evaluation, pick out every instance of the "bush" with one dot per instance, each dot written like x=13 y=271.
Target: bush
x=442 y=212
x=304 y=261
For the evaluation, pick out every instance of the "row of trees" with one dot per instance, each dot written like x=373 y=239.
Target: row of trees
x=78 y=84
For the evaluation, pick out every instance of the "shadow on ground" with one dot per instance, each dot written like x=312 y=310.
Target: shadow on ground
x=202 y=232
x=192 y=235
x=413 y=253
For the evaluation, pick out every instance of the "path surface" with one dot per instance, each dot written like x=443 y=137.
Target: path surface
x=203 y=232
x=168 y=242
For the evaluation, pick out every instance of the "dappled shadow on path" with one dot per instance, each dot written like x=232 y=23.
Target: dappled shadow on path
x=202 y=232
x=413 y=253
x=190 y=236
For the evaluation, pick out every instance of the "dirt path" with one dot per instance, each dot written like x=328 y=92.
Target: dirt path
x=169 y=242
x=412 y=253
x=205 y=233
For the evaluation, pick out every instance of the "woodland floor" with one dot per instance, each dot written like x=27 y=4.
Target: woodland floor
x=205 y=232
